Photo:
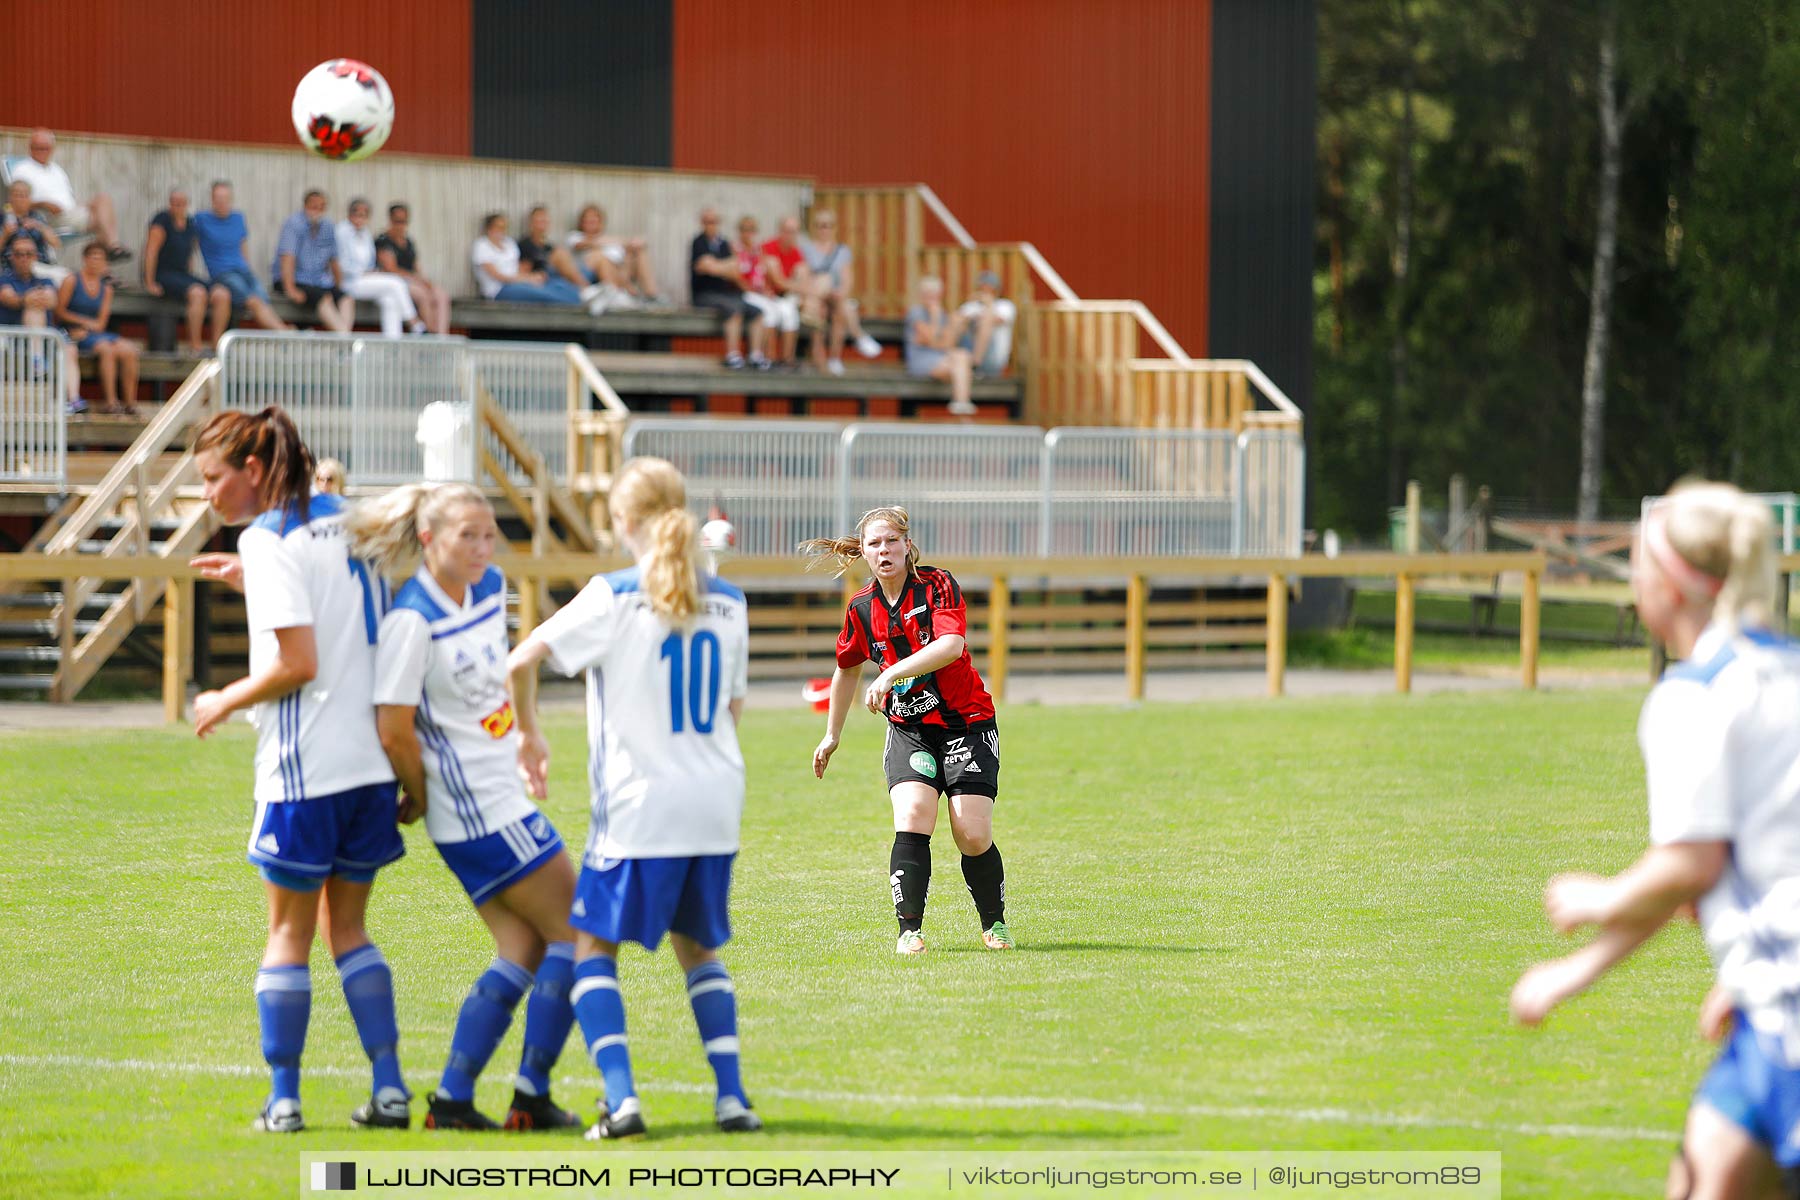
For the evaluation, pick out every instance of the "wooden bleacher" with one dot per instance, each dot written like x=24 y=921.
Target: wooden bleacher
x=647 y=376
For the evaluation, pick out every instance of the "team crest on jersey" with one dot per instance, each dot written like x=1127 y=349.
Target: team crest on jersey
x=499 y=723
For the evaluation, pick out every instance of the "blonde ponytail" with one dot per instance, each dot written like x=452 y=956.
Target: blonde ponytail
x=1728 y=538
x=671 y=575
x=651 y=498
x=385 y=529
x=846 y=551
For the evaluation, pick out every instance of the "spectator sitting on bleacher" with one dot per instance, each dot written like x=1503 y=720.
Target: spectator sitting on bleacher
x=306 y=267
x=829 y=261
x=364 y=281
x=986 y=324
x=495 y=257
x=27 y=299
x=931 y=349
x=84 y=306
x=714 y=282
x=780 y=314
x=224 y=247
x=53 y=193
x=168 y=263
x=17 y=220
x=539 y=254
x=623 y=263
x=396 y=254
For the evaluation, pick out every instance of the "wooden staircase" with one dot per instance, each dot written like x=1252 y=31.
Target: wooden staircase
x=55 y=636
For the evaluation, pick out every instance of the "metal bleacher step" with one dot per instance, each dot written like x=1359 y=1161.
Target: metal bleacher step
x=30 y=654
x=98 y=546
x=46 y=629
x=47 y=601
x=26 y=683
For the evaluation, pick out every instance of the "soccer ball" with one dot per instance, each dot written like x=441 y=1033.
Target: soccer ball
x=343 y=110
x=719 y=536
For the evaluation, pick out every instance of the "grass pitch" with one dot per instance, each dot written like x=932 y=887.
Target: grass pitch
x=1257 y=926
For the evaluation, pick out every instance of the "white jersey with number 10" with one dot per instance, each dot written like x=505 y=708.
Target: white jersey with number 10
x=319 y=739
x=663 y=760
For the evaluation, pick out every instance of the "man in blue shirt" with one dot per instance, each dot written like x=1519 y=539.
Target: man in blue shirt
x=306 y=265
x=223 y=238
x=29 y=299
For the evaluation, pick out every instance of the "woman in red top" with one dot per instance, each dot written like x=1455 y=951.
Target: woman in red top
x=941 y=738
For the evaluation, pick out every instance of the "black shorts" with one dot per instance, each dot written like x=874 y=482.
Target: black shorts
x=310 y=295
x=957 y=762
x=730 y=306
x=175 y=284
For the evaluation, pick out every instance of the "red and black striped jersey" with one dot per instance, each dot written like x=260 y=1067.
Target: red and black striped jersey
x=930 y=606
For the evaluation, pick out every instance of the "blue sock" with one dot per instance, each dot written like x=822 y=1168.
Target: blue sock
x=548 y=1015
x=601 y=1011
x=486 y=1012
x=714 y=999
x=369 y=991
x=283 y=1004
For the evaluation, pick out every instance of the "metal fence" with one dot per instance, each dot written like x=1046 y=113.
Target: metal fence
x=993 y=491
x=34 y=406
x=529 y=381
x=777 y=479
x=1128 y=492
x=394 y=410
x=968 y=491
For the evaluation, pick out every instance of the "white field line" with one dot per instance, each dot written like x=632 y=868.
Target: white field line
x=1242 y=1112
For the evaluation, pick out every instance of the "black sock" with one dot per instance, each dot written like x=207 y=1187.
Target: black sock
x=909 y=871
x=986 y=877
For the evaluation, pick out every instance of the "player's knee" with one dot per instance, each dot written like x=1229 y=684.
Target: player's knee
x=1680 y=1181
x=973 y=841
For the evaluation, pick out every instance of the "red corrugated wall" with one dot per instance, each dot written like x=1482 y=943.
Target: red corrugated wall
x=213 y=70
x=1080 y=126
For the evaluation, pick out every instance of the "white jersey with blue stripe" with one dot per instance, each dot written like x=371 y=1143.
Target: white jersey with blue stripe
x=1721 y=742
x=664 y=767
x=446 y=658
x=319 y=739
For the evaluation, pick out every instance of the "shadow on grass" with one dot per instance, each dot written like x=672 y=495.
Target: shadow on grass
x=1068 y=947
x=952 y=1137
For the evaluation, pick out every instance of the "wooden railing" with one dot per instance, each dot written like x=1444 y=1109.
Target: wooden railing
x=1003 y=618
x=596 y=440
x=1085 y=362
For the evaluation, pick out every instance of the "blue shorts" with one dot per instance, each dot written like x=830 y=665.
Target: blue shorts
x=1755 y=1092
x=87 y=343
x=640 y=899
x=242 y=285
x=299 y=844
x=488 y=865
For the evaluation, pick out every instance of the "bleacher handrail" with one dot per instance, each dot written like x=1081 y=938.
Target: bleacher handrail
x=595 y=379
x=34 y=442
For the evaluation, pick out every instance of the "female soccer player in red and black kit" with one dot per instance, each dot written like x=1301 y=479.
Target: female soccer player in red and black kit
x=941 y=738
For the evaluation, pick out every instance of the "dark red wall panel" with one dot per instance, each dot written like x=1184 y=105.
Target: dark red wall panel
x=212 y=70
x=1081 y=127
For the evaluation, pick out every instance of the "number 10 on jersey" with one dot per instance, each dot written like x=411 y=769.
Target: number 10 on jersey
x=693 y=680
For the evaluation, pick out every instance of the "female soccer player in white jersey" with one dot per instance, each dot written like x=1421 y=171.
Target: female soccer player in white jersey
x=666 y=649
x=325 y=795
x=1720 y=736
x=445 y=712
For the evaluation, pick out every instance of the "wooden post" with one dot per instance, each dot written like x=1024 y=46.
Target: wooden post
x=1403 y=633
x=530 y=600
x=999 y=619
x=1412 y=516
x=177 y=599
x=1528 y=631
x=1136 y=597
x=1278 y=620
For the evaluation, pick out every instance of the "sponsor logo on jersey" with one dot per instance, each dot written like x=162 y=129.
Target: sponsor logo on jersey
x=927 y=701
x=903 y=686
x=499 y=723
x=957 y=750
x=972 y=769
x=913 y=612
x=924 y=764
